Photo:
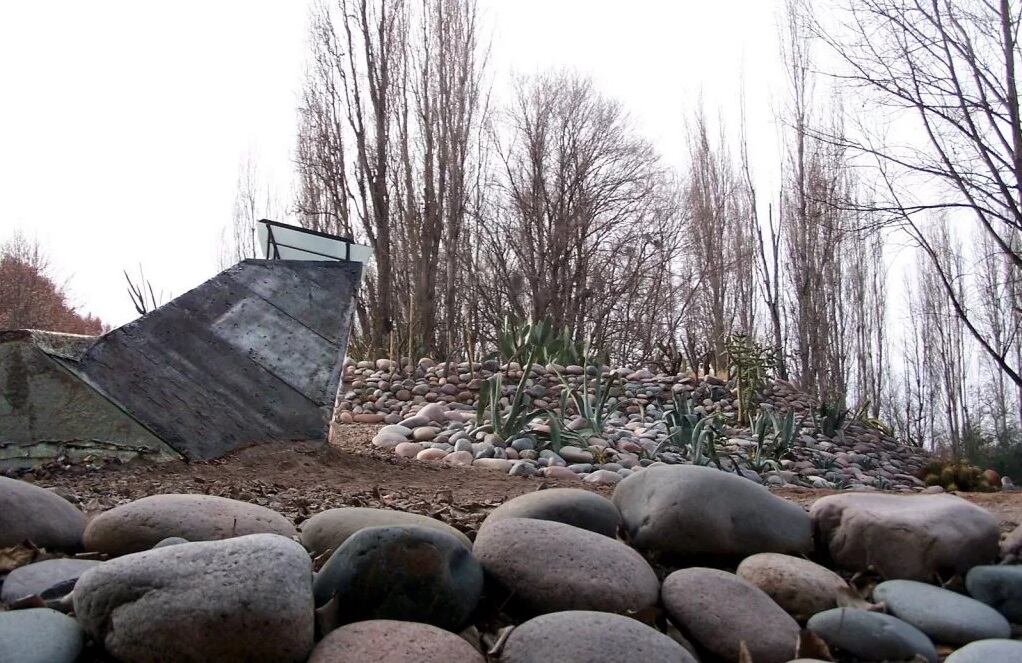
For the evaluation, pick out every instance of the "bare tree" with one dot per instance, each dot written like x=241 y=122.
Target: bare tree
x=942 y=73
x=253 y=200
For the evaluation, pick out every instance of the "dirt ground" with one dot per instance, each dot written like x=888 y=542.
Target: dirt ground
x=301 y=479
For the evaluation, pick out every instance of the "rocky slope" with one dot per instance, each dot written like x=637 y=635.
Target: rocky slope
x=859 y=456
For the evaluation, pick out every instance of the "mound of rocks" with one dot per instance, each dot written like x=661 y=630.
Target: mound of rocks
x=429 y=409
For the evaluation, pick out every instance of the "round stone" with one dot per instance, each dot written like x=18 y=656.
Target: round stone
x=407 y=449
x=31 y=513
x=389 y=641
x=999 y=587
x=407 y=573
x=247 y=598
x=575 y=455
x=329 y=529
x=39 y=635
x=499 y=464
x=572 y=506
x=604 y=477
x=872 y=636
x=946 y=616
x=593 y=637
x=987 y=651
x=170 y=541
x=388 y=440
x=801 y=587
x=459 y=458
x=911 y=537
x=719 y=611
x=431 y=454
x=690 y=510
x=51 y=578
x=548 y=566
x=141 y=524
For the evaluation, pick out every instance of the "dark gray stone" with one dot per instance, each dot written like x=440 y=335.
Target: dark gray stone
x=872 y=636
x=999 y=587
x=719 y=611
x=31 y=513
x=247 y=598
x=56 y=575
x=141 y=524
x=946 y=616
x=548 y=566
x=687 y=510
x=593 y=637
x=408 y=573
x=329 y=529
x=39 y=635
x=571 y=506
x=988 y=651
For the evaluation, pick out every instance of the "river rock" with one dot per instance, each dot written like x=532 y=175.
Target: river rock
x=871 y=636
x=571 y=506
x=407 y=573
x=31 y=513
x=801 y=587
x=946 y=616
x=999 y=587
x=685 y=510
x=548 y=566
x=388 y=641
x=328 y=529
x=593 y=637
x=719 y=611
x=56 y=575
x=987 y=651
x=905 y=537
x=247 y=598
x=141 y=524
x=39 y=635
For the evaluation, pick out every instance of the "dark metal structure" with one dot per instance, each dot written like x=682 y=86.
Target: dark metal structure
x=252 y=355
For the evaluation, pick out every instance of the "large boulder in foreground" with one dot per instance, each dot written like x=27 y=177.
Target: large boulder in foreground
x=947 y=617
x=905 y=537
x=50 y=578
x=689 y=510
x=871 y=636
x=803 y=588
x=388 y=641
x=571 y=506
x=411 y=573
x=328 y=529
x=39 y=635
x=720 y=611
x=549 y=567
x=141 y=524
x=242 y=599
x=593 y=637
x=31 y=513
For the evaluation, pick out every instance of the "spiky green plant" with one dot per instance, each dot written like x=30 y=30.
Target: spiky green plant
x=751 y=363
x=594 y=408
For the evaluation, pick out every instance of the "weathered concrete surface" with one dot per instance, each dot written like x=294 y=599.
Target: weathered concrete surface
x=252 y=355
x=47 y=411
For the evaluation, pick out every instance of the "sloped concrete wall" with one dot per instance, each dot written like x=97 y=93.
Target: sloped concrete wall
x=47 y=411
x=252 y=355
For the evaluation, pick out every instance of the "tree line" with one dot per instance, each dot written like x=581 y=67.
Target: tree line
x=901 y=143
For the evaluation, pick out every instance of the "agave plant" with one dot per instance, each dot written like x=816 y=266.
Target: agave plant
x=831 y=418
x=594 y=408
x=541 y=341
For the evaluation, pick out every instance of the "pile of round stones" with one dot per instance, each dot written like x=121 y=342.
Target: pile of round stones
x=682 y=564
x=429 y=412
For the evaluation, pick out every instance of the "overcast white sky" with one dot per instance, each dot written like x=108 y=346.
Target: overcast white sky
x=123 y=124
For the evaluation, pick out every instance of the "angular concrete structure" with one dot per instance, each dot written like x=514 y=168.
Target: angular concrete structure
x=253 y=355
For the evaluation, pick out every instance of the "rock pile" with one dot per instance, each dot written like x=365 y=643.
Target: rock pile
x=555 y=575
x=429 y=413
